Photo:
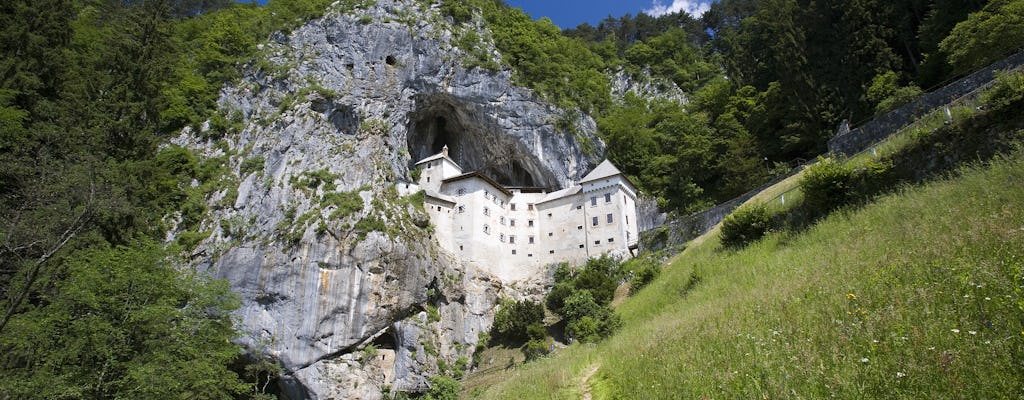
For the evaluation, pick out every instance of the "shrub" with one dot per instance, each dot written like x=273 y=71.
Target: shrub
x=443 y=388
x=536 y=348
x=514 y=319
x=827 y=185
x=251 y=165
x=745 y=225
x=555 y=299
x=1008 y=88
x=644 y=271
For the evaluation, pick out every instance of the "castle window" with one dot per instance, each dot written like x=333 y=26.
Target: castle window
x=529 y=207
x=551 y=252
x=461 y=191
x=487 y=211
x=609 y=218
x=611 y=240
x=512 y=206
x=512 y=239
x=530 y=223
x=530 y=255
x=627 y=220
x=593 y=200
x=597 y=243
x=550 y=234
x=513 y=251
x=607 y=197
x=487 y=229
x=462 y=209
x=428 y=179
x=579 y=207
x=512 y=222
x=595 y=221
x=579 y=227
x=502 y=220
x=460 y=248
x=549 y=215
x=531 y=239
x=501 y=238
x=581 y=246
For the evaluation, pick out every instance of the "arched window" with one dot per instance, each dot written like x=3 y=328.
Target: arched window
x=487 y=229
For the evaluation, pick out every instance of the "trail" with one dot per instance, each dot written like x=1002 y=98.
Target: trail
x=584 y=387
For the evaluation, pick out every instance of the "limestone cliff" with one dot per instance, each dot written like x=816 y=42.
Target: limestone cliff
x=327 y=257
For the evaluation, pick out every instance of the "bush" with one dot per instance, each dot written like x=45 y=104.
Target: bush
x=555 y=299
x=827 y=185
x=251 y=165
x=745 y=225
x=536 y=348
x=443 y=388
x=644 y=271
x=514 y=319
x=1008 y=88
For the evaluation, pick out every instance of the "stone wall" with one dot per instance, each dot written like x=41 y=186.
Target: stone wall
x=848 y=142
x=681 y=230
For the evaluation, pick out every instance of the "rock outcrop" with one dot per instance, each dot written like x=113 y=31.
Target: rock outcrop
x=326 y=256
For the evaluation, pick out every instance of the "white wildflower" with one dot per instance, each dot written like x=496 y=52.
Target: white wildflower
x=864 y=360
x=972 y=332
x=900 y=374
x=955 y=330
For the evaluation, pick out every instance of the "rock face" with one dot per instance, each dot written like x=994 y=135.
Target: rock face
x=326 y=256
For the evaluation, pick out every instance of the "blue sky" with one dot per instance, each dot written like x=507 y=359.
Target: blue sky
x=570 y=13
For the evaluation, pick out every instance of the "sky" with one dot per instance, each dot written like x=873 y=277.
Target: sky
x=570 y=13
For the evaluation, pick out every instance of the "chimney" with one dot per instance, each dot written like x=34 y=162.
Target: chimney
x=444 y=150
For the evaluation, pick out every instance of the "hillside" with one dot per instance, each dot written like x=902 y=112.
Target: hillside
x=200 y=198
x=894 y=289
x=917 y=295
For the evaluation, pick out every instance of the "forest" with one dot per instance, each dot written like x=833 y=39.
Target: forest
x=90 y=90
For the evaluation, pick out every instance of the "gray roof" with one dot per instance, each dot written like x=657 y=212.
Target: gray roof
x=438 y=156
x=439 y=196
x=561 y=193
x=604 y=170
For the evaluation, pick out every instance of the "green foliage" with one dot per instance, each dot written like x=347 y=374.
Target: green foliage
x=367 y=224
x=346 y=203
x=886 y=93
x=313 y=179
x=513 y=319
x=442 y=388
x=588 y=321
x=124 y=324
x=433 y=314
x=644 y=269
x=415 y=174
x=369 y=352
x=745 y=225
x=458 y=10
x=188 y=240
x=252 y=164
x=1007 y=89
x=827 y=185
x=985 y=36
x=536 y=348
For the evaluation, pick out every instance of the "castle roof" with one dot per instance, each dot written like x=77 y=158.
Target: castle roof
x=476 y=174
x=558 y=194
x=439 y=196
x=439 y=156
x=604 y=170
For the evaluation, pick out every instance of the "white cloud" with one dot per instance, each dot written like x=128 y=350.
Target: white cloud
x=693 y=7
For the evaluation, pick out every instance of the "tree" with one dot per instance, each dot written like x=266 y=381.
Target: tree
x=986 y=36
x=124 y=323
x=514 y=318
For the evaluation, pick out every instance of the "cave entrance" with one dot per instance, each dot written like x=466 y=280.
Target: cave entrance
x=474 y=142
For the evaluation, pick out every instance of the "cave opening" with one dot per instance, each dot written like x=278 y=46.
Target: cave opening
x=475 y=143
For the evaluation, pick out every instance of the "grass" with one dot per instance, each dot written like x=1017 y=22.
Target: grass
x=917 y=295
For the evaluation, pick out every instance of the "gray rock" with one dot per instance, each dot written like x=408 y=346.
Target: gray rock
x=349 y=107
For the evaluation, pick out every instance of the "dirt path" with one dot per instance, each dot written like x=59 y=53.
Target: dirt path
x=584 y=387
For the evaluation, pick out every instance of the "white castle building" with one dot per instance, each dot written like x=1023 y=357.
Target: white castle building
x=513 y=231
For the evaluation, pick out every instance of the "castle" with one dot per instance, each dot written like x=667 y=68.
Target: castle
x=513 y=231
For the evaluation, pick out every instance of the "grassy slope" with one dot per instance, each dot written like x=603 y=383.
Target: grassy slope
x=863 y=304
